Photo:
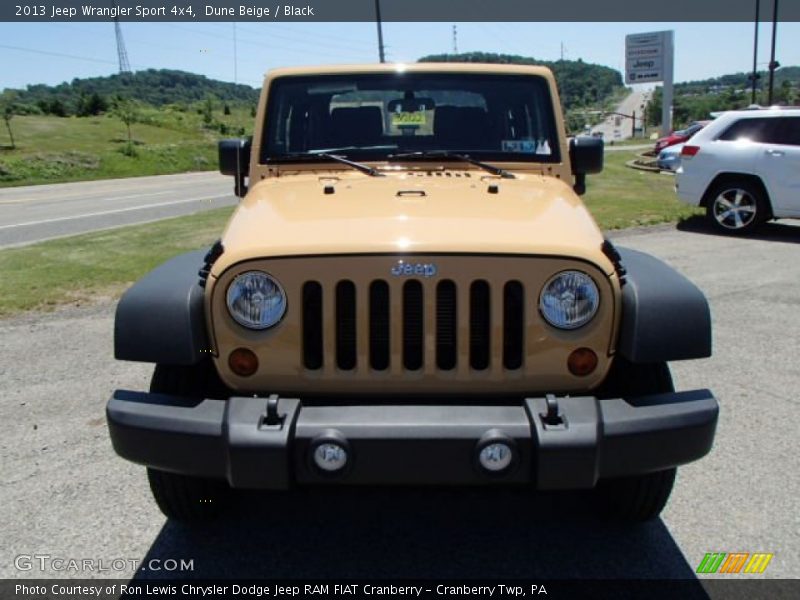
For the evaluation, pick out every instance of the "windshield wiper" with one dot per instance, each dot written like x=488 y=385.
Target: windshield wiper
x=371 y=171
x=462 y=157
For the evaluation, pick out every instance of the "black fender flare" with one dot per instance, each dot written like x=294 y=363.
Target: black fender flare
x=160 y=319
x=664 y=315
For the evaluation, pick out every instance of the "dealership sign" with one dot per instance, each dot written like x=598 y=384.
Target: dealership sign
x=648 y=56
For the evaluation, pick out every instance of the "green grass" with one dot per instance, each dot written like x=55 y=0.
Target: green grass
x=622 y=197
x=53 y=149
x=79 y=268
x=102 y=264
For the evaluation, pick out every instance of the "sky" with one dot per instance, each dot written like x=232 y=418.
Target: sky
x=55 y=52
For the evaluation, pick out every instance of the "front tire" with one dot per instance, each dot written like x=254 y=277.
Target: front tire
x=188 y=499
x=182 y=497
x=736 y=206
x=640 y=497
x=636 y=499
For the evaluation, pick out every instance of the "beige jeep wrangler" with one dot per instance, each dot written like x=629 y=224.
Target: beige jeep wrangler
x=412 y=292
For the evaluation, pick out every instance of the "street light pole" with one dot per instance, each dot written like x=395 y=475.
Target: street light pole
x=380 y=31
x=754 y=74
x=773 y=64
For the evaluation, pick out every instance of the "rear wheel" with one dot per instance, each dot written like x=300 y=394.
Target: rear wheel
x=641 y=497
x=736 y=206
x=183 y=497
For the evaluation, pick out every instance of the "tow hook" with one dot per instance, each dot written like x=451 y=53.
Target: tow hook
x=271 y=419
x=551 y=419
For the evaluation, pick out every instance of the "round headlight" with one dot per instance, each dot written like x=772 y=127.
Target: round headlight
x=569 y=300
x=256 y=300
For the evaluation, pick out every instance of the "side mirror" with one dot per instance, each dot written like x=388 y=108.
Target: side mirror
x=586 y=156
x=234 y=159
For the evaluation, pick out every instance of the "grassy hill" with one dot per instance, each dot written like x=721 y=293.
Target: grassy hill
x=73 y=131
x=154 y=87
x=695 y=100
x=580 y=84
x=739 y=81
x=52 y=149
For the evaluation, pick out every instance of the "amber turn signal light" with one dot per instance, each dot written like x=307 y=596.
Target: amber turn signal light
x=582 y=362
x=243 y=362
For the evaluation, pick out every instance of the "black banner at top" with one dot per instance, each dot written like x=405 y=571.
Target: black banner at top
x=395 y=10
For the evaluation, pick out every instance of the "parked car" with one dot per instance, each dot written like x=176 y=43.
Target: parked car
x=680 y=136
x=744 y=168
x=669 y=159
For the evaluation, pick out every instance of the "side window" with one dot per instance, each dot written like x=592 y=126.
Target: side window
x=755 y=130
x=786 y=131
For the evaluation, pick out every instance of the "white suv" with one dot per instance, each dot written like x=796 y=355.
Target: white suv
x=744 y=168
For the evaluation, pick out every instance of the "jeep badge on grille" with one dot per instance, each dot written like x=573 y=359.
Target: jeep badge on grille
x=404 y=269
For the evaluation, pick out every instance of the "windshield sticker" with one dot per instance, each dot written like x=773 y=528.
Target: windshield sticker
x=408 y=119
x=527 y=146
x=520 y=146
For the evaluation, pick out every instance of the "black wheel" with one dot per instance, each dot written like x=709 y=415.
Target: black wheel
x=188 y=499
x=182 y=497
x=736 y=206
x=641 y=497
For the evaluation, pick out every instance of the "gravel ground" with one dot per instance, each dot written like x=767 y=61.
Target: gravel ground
x=66 y=494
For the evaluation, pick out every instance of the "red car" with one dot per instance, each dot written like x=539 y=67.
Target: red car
x=680 y=136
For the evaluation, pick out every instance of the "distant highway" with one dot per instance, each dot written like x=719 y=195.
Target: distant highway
x=619 y=128
x=35 y=213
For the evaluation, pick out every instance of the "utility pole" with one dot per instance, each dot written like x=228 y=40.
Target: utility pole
x=562 y=50
x=773 y=64
x=455 y=39
x=122 y=53
x=381 y=54
x=235 y=60
x=754 y=75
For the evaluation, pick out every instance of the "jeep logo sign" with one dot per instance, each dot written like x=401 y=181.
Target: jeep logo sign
x=404 y=269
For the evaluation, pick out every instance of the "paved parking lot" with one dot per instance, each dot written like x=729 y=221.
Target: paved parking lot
x=64 y=492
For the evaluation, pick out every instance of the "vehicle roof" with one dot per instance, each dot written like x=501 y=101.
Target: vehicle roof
x=757 y=113
x=438 y=67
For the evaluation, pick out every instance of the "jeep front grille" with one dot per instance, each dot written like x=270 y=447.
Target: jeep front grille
x=443 y=301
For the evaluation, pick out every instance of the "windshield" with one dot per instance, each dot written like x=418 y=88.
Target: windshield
x=372 y=116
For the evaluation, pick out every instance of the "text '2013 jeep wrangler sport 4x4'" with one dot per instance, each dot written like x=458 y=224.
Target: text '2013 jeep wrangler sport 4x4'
x=412 y=293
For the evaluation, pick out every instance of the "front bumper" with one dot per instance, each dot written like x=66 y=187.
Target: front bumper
x=236 y=439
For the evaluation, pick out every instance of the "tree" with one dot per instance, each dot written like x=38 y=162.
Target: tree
x=208 y=110
x=127 y=111
x=91 y=105
x=56 y=107
x=7 y=112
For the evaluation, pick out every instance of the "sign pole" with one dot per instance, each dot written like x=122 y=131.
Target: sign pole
x=666 y=104
x=649 y=58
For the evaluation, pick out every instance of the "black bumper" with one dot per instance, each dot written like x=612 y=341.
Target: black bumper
x=438 y=445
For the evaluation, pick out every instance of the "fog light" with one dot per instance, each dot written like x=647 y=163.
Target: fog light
x=243 y=362
x=330 y=457
x=582 y=362
x=496 y=456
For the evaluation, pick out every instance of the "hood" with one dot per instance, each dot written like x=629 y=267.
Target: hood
x=411 y=212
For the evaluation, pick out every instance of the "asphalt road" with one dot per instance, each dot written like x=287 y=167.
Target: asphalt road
x=64 y=493
x=615 y=127
x=35 y=213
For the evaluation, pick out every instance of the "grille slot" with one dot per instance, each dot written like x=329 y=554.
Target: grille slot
x=513 y=324
x=454 y=310
x=479 y=325
x=312 y=325
x=446 y=325
x=412 y=325
x=379 y=325
x=346 y=325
